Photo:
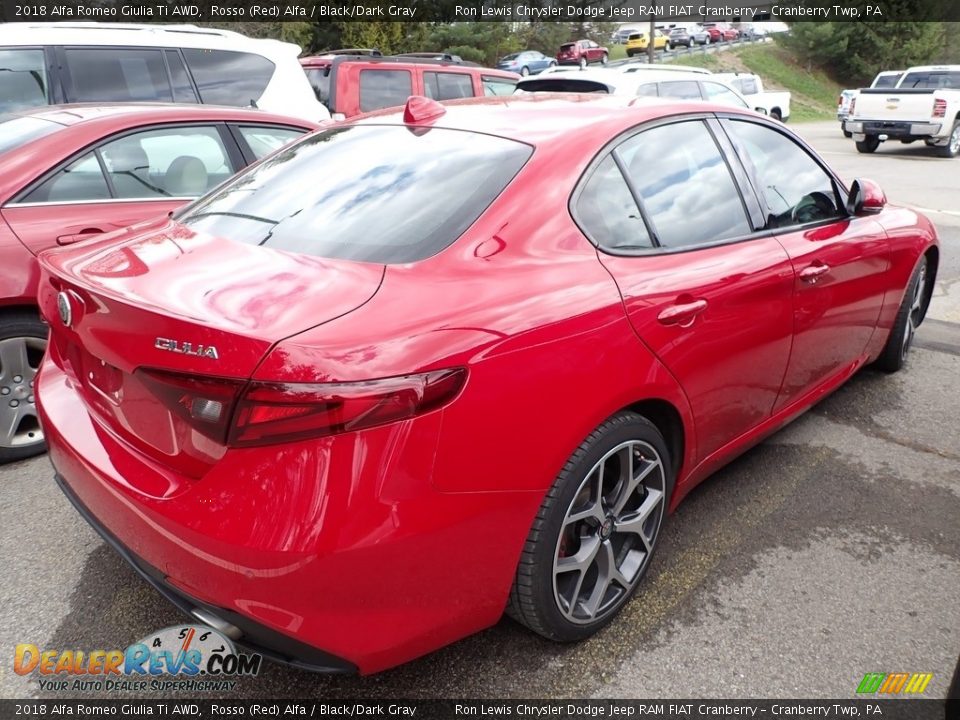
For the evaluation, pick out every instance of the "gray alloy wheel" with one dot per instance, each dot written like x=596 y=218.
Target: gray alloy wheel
x=952 y=148
x=909 y=317
x=583 y=63
x=22 y=344
x=596 y=531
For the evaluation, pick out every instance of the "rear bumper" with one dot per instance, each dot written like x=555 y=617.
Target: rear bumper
x=255 y=637
x=894 y=129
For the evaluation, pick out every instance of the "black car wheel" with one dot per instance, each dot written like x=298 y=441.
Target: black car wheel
x=595 y=533
x=909 y=316
x=952 y=148
x=868 y=144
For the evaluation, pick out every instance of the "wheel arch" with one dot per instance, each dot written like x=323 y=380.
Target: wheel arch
x=669 y=422
x=932 y=254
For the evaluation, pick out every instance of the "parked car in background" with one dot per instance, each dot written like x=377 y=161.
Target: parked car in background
x=638 y=42
x=721 y=32
x=925 y=105
x=621 y=35
x=73 y=172
x=582 y=53
x=679 y=36
x=650 y=83
x=285 y=438
x=350 y=85
x=774 y=104
x=700 y=35
x=51 y=63
x=885 y=79
x=446 y=57
x=528 y=62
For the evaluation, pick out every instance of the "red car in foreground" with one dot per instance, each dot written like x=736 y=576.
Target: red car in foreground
x=416 y=370
x=74 y=171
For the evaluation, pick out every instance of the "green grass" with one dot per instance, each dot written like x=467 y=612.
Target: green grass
x=703 y=60
x=814 y=94
x=617 y=52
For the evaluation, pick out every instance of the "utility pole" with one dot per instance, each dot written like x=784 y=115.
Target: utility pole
x=651 y=50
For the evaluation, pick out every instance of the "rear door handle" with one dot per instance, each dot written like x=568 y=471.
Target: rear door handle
x=811 y=273
x=683 y=314
x=77 y=237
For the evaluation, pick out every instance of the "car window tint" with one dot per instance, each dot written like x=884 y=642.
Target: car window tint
x=720 y=94
x=796 y=189
x=447 y=85
x=16 y=131
x=80 y=180
x=117 y=75
x=320 y=82
x=224 y=77
x=182 y=87
x=647 y=90
x=497 y=86
x=385 y=195
x=886 y=81
x=748 y=86
x=607 y=212
x=170 y=162
x=681 y=89
x=384 y=88
x=932 y=79
x=23 y=79
x=265 y=140
x=684 y=185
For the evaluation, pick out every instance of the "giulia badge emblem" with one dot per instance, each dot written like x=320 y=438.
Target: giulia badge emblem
x=64 y=309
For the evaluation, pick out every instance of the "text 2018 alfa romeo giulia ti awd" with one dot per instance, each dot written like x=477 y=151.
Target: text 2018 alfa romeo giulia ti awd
x=418 y=369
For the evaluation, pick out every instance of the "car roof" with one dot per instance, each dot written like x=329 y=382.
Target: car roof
x=96 y=33
x=118 y=114
x=543 y=119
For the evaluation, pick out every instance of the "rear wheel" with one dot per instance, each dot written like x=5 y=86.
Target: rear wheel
x=23 y=340
x=847 y=134
x=868 y=144
x=525 y=71
x=908 y=319
x=603 y=59
x=776 y=115
x=595 y=533
x=952 y=148
x=583 y=63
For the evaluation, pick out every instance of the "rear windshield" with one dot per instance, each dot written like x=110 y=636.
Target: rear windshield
x=382 y=194
x=16 y=131
x=563 y=84
x=931 y=79
x=568 y=46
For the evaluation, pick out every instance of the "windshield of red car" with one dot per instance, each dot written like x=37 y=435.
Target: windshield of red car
x=373 y=193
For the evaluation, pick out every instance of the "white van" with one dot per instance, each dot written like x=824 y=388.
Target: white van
x=53 y=63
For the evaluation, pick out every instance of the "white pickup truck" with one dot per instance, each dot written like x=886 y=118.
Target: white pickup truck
x=774 y=104
x=925 y=105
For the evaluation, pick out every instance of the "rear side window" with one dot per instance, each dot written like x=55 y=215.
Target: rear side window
x=748 y=86
x=224 y=77
x=681 y=89
x=385 y=195
x=165 y=163
x=684 y=185
x=16 y=131
x=23 y=79
x=887 y=81
x=607 y=212
x=117 y=75
x=265 y=140
x=80 y=181
x=497 y=85
x=320 y=82
x=384 y=88
x=182 y=87
x=447 y=85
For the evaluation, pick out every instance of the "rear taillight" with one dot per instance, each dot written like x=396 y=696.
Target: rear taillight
x=243 y=414
x=939 y=108
x=853 y=106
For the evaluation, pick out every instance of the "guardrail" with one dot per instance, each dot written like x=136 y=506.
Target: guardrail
x=696 y=49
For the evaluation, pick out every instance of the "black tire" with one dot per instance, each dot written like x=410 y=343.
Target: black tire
x=524 y=71
x=847 y=134
x=868 y=145
x=776 y=115
x=535 y=600
x=20 y=329
x=909 y=316
x=952 y=148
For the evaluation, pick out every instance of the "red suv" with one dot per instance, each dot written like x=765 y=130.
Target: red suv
x=353 y=84
x=582 y=53
x=721 y=32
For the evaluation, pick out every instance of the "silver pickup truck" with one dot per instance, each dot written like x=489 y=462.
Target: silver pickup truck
x=925 y=105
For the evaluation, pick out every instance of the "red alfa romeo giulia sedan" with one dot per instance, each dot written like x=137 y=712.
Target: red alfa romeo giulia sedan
x=73 y=171
x=419 y=369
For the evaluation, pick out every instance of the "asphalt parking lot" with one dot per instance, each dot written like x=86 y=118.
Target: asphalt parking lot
x=829 y=551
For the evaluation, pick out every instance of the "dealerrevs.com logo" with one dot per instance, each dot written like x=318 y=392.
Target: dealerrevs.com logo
x=182 y=657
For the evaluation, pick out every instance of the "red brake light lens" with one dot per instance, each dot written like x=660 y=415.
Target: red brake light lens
x=242 y=414
x=939 y=108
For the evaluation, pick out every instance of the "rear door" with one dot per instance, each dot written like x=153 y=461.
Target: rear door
x=839 y=260
x=448 y=84
x=711 y=299
x=128 y=178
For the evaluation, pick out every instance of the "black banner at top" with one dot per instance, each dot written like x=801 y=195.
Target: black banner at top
x=179 y=11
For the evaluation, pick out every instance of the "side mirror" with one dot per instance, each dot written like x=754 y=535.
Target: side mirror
x=865 y=198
